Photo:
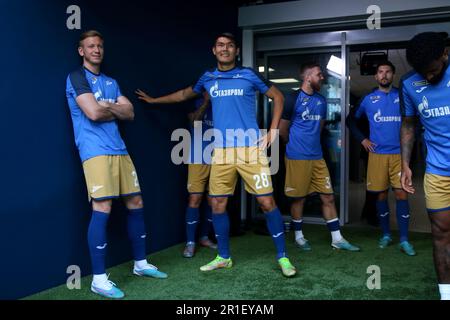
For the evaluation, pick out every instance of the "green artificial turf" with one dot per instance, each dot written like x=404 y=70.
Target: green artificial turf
x=323 y=273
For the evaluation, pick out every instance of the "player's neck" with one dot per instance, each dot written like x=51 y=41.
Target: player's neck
x=307 y=89
x=385 y=90
x=225 y=67
x=95 y=69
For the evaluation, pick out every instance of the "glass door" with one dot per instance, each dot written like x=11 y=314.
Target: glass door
x=282 y=69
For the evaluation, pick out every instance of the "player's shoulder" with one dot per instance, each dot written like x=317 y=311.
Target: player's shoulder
x=412 y=78
x=106 y=77
x=320 y=97
x=108 y=80
x=248 y=70
x=76 y=74
x=209 y=73
x=394 y=90
x=373 y=94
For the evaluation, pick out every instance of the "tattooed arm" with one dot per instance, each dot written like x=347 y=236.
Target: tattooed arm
x=406 y=144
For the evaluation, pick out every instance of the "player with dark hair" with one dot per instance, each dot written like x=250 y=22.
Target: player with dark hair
x=425 y=93
x=306 y=171
x=382 y=109
x=232 y=91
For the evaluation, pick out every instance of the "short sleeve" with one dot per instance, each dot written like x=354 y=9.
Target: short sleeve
x=407 y=107
x=118 y=92
x=79 y=82
x=261 y=84
x=198 y=86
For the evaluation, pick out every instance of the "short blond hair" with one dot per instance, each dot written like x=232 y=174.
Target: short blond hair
x=88 y=34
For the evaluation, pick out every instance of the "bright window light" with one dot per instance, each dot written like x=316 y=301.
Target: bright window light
x=335 y=65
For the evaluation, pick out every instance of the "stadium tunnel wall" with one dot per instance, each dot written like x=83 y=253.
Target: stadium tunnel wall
x=158 y=47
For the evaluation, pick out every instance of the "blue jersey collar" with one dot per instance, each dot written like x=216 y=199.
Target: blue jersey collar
x=97 y=75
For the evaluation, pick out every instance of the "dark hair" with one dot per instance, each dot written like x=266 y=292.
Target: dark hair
x=308 y=65
x=88 y=34
x=227 y=35
x=386 y=63
x=424 y=48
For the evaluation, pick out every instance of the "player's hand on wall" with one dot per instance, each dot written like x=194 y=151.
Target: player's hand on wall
x=143 y=96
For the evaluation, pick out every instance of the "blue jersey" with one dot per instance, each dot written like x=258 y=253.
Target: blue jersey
x=432 y=104
x=232 y=95
x=94 y=138
x=305 y=113
x=383 y=112
x=199 y=142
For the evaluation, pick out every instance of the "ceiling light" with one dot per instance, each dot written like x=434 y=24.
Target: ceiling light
x=284 y=80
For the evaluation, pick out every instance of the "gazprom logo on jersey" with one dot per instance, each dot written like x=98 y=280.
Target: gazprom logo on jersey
x=378 y=117
x=214 y=92
x=428 y=112
x=312 y=117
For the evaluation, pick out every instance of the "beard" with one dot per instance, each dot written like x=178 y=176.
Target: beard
x=385 y=85
x=438 y=78
x=316 y=86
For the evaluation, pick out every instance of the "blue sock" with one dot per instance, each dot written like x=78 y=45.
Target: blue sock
x=192 y=215
x=97 y=241
x=276 y=229
x=136 y=233
x=333 y=225
x=403 y=219
x=221 y=225
x=297 y=225
x=383 y=215
x=205 y=226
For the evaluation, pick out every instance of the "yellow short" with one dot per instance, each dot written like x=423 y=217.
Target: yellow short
x=304 y=177
x=437 y=192
x=110 y=177
x=383 y=170
x=249 y=162
x=198 y=177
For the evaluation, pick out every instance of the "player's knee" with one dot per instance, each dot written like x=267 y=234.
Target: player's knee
x=441 y=231
x=135 y=202
x=195 y=200
x=102 y=206
x=218 y=204
x=382 y=196
x=400 y=194
x=328 y=199
x=267 y=204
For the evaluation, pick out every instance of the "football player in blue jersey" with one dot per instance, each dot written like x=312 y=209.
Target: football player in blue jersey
x=425 y=93
x=382 y=109
x=306 y=171
x=199 y=169
x=96 y=104
x=238 y=144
